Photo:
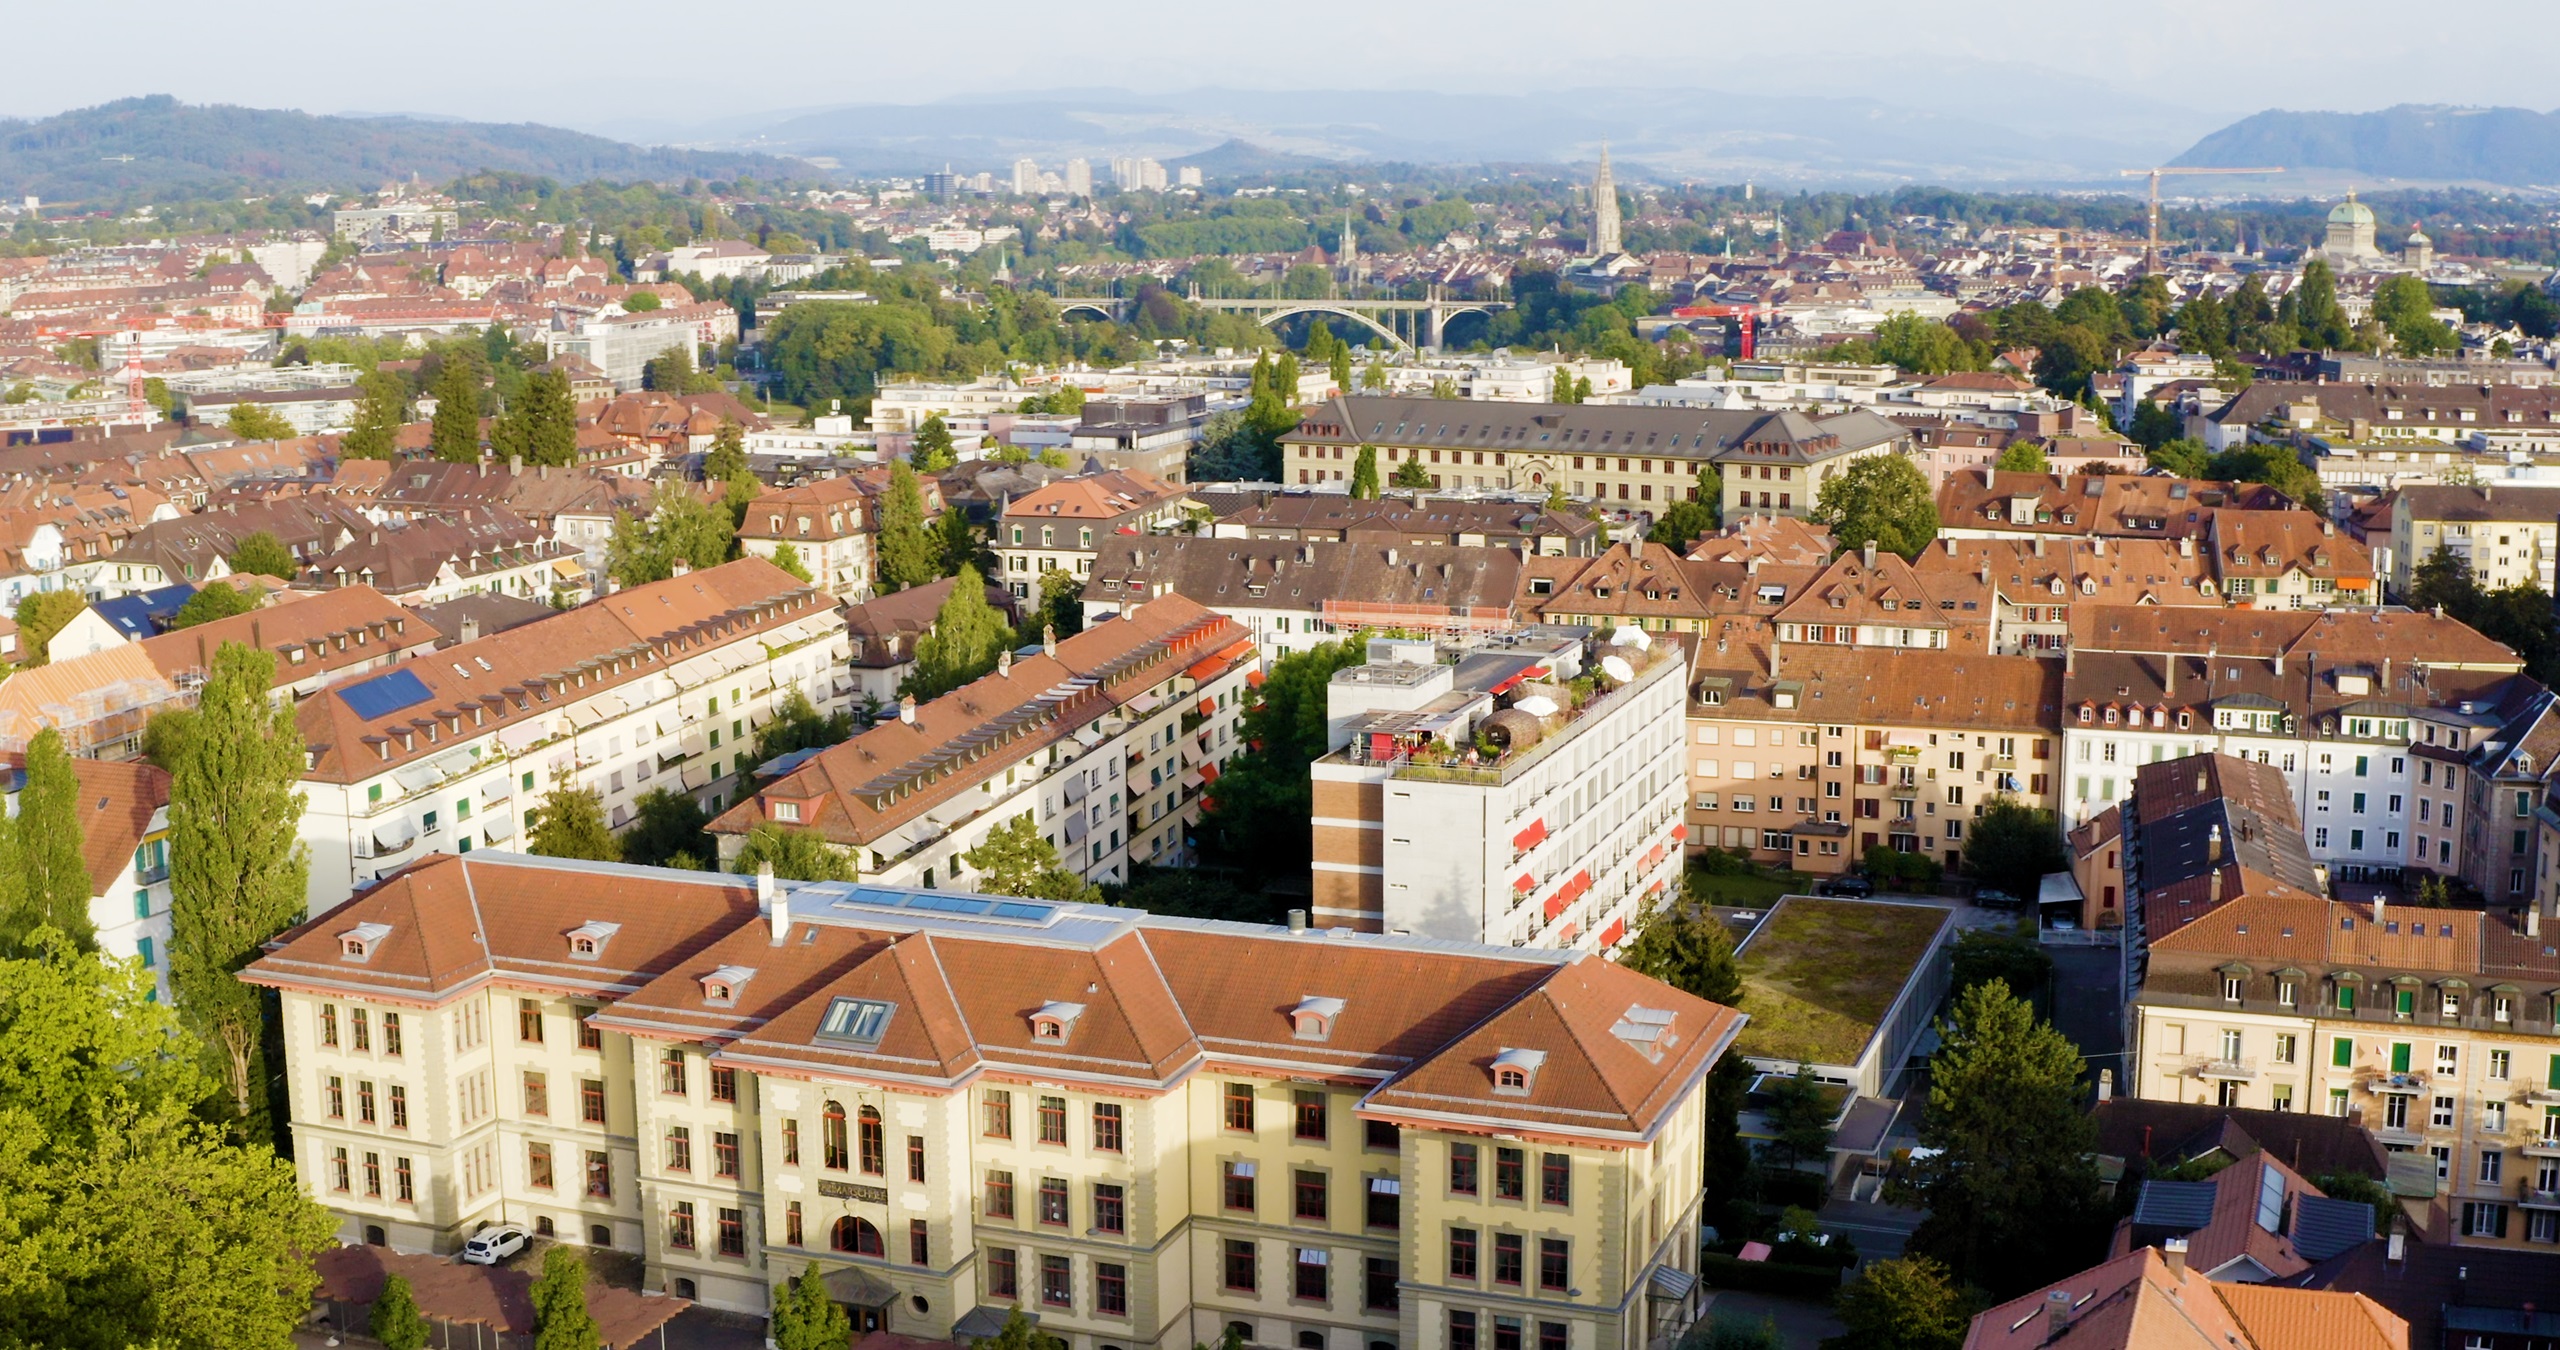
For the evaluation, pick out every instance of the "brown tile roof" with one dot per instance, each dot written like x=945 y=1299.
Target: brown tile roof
x=858 y=791
x=2113 y=505
x=117 y=800
x=2134 y=1302
x=2269 y=544
x=1155 y=999
x=2069 y=571
x=1099 y=496
x=834 y=508
x=514 y=676
x=320 y=617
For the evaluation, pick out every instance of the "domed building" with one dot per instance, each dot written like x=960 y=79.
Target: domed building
x=2419 y=253
x=2350 y=240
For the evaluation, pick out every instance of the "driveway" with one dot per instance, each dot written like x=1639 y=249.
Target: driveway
x=2088 y=1005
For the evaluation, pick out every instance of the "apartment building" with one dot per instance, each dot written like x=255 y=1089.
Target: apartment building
x=1638 y=459
x=1296 y=596
x=124 y=846
x=2507 y=536
x=1415 y=520
x=1807 y=756
x=2028 y=586
x=1524 y=789
x=656 y=686
x=1146 y=1131
x=826 y=523
x=2330 y=698
x=1106 y=739
x=2004 y=504
x=1063 y=526
x=2432 y=1026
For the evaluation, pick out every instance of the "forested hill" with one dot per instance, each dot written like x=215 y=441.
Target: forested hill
x=2412 y=141
x=183 y=149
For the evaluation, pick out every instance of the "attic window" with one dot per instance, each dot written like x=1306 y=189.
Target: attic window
x=1646 y=1029
x=1053 y=1020
x=858 y=1020
x=1314 y=1017
x=720 y=987
x=357 y=943
x=1516 y=1071
x=586 y=941
x=786 y=811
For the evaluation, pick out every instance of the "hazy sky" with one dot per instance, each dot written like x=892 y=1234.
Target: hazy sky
x=593 y=65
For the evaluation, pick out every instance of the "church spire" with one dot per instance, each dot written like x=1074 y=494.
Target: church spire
x=1604 y=208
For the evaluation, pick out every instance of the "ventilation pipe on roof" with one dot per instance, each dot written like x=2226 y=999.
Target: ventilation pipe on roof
x=1297 y=921
x=1049 y=639
x=2377 y=910
x=2057 y=1312
x=1867 y=554
x=907 y=709
x=1004 y=661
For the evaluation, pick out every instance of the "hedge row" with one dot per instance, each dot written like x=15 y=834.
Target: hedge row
x=1772 y=1277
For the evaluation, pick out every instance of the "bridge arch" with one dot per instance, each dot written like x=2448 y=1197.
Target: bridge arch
x=1108 y=313
x=1269 y=317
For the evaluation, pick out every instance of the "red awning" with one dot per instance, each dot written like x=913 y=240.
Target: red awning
x=1528 y=838
x=1208 y=707
x=1565 y=934
x=1654 y=889
x=1126 y=529
x=1209 y=774
x=1253 y=679
x=1557 y=902
x=1617 y=929
x=1582 y=881
x=1653 y=855
x=1679 y=831
x=1524 y=882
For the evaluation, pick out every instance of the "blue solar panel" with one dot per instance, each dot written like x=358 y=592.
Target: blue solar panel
x=1032 y=912
x=385 y=694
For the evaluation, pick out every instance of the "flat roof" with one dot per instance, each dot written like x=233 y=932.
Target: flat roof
x=1819 y=974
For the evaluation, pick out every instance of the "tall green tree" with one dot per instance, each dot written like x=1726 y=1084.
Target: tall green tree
x=540 y=424
x=958 y=543
x=933 y=452
x=726 y=460
x=1883 y=498
x=560 y=1317
x=569 y=823
x=804 y=1318
x=51 y=889
x=797 y=725
x=2012 y=1193
x=2014 y=846
x=2023 y=457
x=1015 y=859
x=795 y=855
x=967 y=637
x=1338 y=364
x=250 y=422
x=1909 y=1303
x=1411 y=474
x=907 y=553
x=1364 y=474
x=238 y=872
x=787 y=558
x=380 y=413
x=395 y=1320
x=1256 y=815
x=666 y=831
x=41 y=616
x=1060 y=611
x=1799 y=1116
x=454 y=432
x=1688 y=948
x=681 y=528
x=131 y=1220
x=219 y=600
x=261 y=552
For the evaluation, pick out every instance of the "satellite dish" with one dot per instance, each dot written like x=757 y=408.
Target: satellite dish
x=1616 y=668
x=1537 y=705
x=1629 y=635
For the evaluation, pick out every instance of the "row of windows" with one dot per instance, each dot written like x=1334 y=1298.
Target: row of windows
x=343 y=1176
x=1310 y=1274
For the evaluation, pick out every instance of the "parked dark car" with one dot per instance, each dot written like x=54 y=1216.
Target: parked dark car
x=1854 y=887
x=1990 y=898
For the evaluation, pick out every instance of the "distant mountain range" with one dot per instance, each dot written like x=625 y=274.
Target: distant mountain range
x=157 y=146
x=1669 y=134
x=2513 y=147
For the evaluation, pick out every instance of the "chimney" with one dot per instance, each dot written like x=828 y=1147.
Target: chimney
x=471 y=630
x=1951 y=546
x=2057 y=1312
x=764 y=885
x=1988 y=474
x=1391 y=557
x=2213 y=892
x=1049 y=639
x=2187 y=546
x=2039 y=546
x=1867 y=554
x=2213 y=846
x=907 y=709
x=1297 y=921
x=2377 y=909
x=2106 y=1084
x=2175 y=1252
x=1004 y=661
x=2533 y=921
x=515 y=464
x=777 y=904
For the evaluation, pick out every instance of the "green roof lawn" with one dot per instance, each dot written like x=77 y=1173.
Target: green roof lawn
x=1821 y=973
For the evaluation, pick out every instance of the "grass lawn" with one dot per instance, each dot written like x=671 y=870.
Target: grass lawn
x=1820 y=974
x=1741 y=892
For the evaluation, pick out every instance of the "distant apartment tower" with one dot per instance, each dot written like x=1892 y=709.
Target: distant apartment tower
x=1189 y=175
x=1026 y=177
x=1124 y=173
x=1526 y=793
x=939 y=185
x=1079 y=178
x=1151 y=175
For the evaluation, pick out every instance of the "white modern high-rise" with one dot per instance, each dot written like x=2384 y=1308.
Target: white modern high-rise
x=1151 y=175
x=1079 y=178
x=1124 y=173
x=1026 y=177
x=1189 y=175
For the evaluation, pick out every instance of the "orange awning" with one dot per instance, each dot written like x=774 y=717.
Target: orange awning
x=1557 y=902
x=1209 y=773
x=1529 y=837
x=1679 y=831
x=1254 y=679
x=1524 y=882
x=1616 y=930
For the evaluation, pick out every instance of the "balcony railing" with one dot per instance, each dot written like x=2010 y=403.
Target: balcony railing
x=2533 y=1199
x=2542 y=1146
x=2215 y=1067
x=2398 y=1084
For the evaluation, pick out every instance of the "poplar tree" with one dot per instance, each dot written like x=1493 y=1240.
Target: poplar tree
x=560 y=1317
x=1364 y=474
x=50 y=882
x=379 y=417
x=539 y=425
x=238 y=873
x=455 y=430
x=907 y=552
x=964 y=643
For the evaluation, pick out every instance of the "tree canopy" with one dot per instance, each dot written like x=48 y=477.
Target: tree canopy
x=1016 y=860
x=681 y=528
x=1882 y=498
x=795 y=855
x=540 y=424
x=1907 y=1303
x=967 y=638
x=907 y=553
x=1257 y=813
x=250 y=422
x=569 y=823
x=214 y=600
x=2014 y=846
x=261 y=552
x=48 y=882
x=39 y=617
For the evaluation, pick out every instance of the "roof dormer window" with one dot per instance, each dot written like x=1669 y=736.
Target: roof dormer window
x=1314 y=1017
x=358 y=943
x=586 y=941
x=720 y=987
x=1515 y=1072
x=1648 y=1030
x=1053 y=1021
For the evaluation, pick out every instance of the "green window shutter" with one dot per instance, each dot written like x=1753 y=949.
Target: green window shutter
x=2399 y=1056
x=2404 y=1002
x=2342 y=1052
x=2346 y=998
x=2554 y=1081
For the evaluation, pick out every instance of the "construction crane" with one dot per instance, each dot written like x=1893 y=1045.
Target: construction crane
x=2151 y=251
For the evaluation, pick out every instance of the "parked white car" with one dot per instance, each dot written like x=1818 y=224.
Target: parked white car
x=489 y=1246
